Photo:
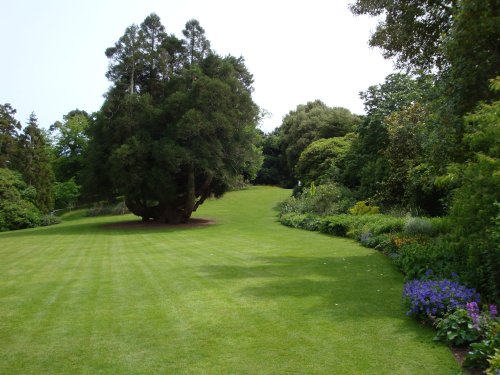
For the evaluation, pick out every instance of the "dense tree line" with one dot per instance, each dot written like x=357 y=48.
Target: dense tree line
x=428 y=142
x=41 y=170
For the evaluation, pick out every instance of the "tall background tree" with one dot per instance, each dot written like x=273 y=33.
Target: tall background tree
x=70 y=142
x=309 y=123
x=9 y=128
x=34 y=162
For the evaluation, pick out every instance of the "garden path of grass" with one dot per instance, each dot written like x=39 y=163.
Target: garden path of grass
x=242 y=296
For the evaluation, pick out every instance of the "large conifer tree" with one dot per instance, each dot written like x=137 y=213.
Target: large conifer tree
x=179 y=131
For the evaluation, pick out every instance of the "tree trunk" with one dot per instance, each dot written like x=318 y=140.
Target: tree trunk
x=178 y=213
x=191 y=195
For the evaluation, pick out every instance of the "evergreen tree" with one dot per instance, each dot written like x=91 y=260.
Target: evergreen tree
x=196 y=45
x=34 y=163
x=9 y=127
x=174 y=142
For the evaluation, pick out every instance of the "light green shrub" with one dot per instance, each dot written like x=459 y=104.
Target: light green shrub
x=419 y=226
x=363 y=208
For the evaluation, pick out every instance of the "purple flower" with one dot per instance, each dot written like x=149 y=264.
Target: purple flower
x=473 y=311
x=436 y=297
x=493 y=311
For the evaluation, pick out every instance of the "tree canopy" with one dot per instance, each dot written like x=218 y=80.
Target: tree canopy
x=310 y=122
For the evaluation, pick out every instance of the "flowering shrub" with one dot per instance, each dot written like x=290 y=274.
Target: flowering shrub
x=434 y=298
x=457 y=328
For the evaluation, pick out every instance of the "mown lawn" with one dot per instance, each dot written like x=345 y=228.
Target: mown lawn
x=242 y=296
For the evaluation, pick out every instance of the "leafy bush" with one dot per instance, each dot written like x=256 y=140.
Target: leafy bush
x=302 y=221
x=441 y=225
x=363 y=208
x=358 y=226
x=494 y=363
x=47 y=220
x=102 y=209
x=416 y=259
x=456 y=328
x=475 y=212
x=16 y=209
x=66 y=194
x=323 y=200
x=335 y=225
x=419 y=226
x=434 y=298
x=480 y=352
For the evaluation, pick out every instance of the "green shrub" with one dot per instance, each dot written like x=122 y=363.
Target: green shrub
x=321 y=200
x=303 y=221
x=475 y=220
x=363 y=208
x=416 y=259
x=494 y=363
x=47 y=220
x=386 y=224
x=102 y=209
x=456 y=328
x=419 y=226
x=16 y=209
x=66 y=194
x=441 y=225
x=335 y=225
x=480 y=352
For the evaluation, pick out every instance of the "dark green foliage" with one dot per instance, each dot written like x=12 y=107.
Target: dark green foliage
x=33 y=161
x=196 y=45
x=475 y=211
x=473 y=54
x=475 y=227
x=456 y=328
x=9 y=128
x=66 y=194
x=70 y=146
x=481 y=351
x=272 y=171
x=367 y=164
x=16 y=209
x=336 y=225
x=416 y=259
x=410 y=31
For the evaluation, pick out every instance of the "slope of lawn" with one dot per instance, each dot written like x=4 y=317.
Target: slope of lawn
x=242 y=296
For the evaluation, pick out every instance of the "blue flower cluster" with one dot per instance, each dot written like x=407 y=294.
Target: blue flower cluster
x=435 y=297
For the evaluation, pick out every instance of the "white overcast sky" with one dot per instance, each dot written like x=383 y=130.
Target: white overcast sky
x=53 y=50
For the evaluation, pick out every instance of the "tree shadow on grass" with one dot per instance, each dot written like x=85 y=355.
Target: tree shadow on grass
x=347 y=287
x=352 y=289
x=103 y=227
